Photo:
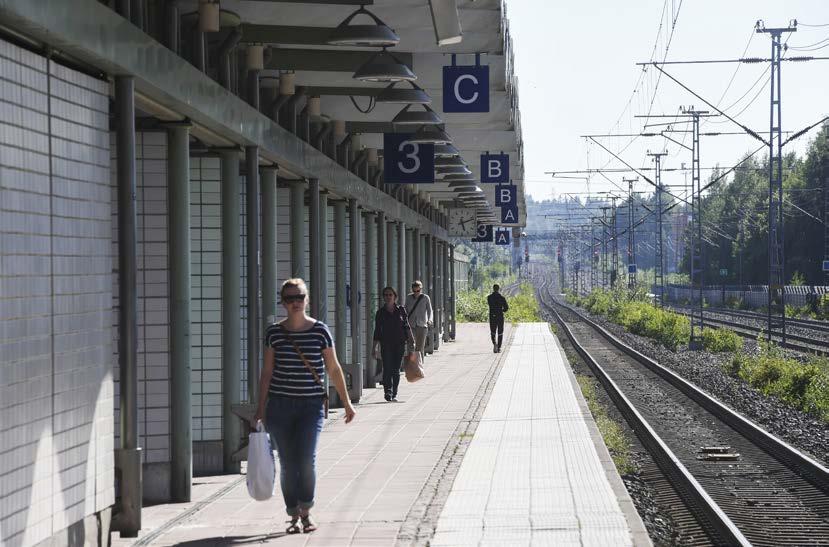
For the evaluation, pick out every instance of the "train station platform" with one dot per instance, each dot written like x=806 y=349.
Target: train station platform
x=488 y=449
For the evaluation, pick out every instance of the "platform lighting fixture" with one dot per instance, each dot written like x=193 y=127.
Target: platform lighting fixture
x=448 y=162
x=459 y=177
x=377 y=35
x=453 y=170
x=209 y=16
x=416 y=117
x=446 y=21
x=384 y=67
x=396 y=95
x=429 y=134
x=446 y=150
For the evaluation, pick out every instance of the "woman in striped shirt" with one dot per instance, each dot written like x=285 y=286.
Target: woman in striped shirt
x=298 y=352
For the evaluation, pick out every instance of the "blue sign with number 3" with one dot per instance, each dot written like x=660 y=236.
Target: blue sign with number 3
x=406 y=162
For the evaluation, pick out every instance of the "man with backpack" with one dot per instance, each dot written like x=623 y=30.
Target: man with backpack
x=419 y=309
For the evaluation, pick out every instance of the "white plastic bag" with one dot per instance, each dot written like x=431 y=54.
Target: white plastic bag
x=261 y=465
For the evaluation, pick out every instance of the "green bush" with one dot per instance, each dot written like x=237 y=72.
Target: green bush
x=721 y=340
x=471 y=307
x=803 y=385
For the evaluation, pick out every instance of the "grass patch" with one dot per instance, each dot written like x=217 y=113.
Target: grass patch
x=614 y=438
x=721 y=340
x=803 y=385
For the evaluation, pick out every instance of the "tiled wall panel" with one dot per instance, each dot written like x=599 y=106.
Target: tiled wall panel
x=56 y=389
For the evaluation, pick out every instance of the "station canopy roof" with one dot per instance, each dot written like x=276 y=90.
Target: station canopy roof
x=298 y=33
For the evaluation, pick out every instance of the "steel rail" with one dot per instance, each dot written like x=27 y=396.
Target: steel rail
x=700 y=503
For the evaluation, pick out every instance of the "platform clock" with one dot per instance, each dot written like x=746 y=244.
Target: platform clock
x=462 y=222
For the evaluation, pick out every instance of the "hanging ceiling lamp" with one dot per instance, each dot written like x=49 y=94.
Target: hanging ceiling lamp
x=445 y=150
x=377 y=35
x=429 y=134
x=460 y=177
x=415 y=117
x=392 y=95
x=384 y=67
x=453 y=170
x=451 y=161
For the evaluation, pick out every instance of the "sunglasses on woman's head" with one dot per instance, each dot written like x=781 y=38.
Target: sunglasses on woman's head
x=290 y=298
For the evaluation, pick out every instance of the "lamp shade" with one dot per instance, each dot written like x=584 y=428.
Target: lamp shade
x=416 y=117
x=460 y=177
x=452 y=160
x=444 y=150
x=432 y=135
x=453 y=170
x=384 y=67
x=377 y=35
x=415 y=95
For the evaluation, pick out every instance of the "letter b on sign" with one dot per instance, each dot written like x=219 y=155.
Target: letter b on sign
x=495 y=168
x=466 y=89
x=406 y=162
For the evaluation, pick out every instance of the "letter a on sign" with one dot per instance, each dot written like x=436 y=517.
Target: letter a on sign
x=509 y=215
x=406 y=162
x=483 y=234
x=495 y=168
x=502 y=237
x=466 y=88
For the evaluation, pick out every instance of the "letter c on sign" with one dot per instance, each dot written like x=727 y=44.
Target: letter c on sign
x=458 y=89
x=412 y=156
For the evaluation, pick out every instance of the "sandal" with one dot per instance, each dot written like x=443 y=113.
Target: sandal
x=308 y=524
x=293 y=528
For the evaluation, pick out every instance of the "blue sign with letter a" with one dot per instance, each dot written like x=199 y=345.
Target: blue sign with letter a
x=466 y=88
x=406 y=162
x=483 y=234
x=509 y=215
x=506 y=195
x=495 y=168
x=502 y=237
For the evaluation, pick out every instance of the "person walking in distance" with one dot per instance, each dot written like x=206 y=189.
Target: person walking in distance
x=419 y=308
x=391 y=334
x=497 y=308
x=299 y=351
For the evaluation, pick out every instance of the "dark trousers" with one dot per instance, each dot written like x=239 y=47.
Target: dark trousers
x=496 y=326
x=392 y=356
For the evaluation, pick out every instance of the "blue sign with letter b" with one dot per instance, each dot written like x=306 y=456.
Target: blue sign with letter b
x=495 y=168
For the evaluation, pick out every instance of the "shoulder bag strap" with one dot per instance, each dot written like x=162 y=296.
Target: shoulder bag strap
x=411 y=311
x=306 y=363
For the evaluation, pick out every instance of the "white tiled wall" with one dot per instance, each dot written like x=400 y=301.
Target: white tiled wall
x=153 y=295
x=56 y=424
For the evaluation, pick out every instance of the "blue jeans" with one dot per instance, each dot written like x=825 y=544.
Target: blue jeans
x=294 y=424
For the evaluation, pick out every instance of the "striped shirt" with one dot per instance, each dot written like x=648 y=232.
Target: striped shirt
x=291 y=378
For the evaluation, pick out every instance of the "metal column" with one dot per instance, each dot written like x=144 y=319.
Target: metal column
x=381 y=251
x=391 y=254
x=231 y=309
x=410 y=267
x=269 y=280
x=453 y=299
x=297 y=215
x=355 y=259
x=435 y=283
x=127 y=518
x=444 y=292
x=314 y=244
x=340 y=281
x=178 y=218
x=252 y=296
x=401 y=262
x=323 y=259
x=372 y=296
x=417 y=271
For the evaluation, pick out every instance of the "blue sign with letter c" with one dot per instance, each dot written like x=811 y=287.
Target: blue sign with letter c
x=466 y=88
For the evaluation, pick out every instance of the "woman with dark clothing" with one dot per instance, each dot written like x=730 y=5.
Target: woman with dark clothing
x=391 y=333
x=299 y=351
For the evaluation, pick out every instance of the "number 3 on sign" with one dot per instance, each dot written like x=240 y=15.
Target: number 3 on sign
x=413 y=155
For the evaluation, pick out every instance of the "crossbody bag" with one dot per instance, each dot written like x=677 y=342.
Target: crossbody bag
x=410 y=312
x=313 y=372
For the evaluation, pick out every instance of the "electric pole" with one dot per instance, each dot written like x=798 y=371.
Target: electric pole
x=631 y=263
x=659 y=264
x=777 y=256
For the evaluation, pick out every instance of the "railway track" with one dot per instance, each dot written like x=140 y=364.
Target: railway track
x=815 y=343
x=743 y=485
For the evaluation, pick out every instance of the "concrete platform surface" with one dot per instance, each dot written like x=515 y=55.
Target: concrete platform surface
x=487 y=449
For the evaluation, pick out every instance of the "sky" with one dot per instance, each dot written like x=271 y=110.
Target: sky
x=576 y=65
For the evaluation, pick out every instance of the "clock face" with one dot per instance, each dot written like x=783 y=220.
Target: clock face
x=462 y=222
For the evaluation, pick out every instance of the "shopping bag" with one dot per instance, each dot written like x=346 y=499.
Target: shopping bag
x=413 y=367
x=261 y=465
